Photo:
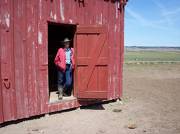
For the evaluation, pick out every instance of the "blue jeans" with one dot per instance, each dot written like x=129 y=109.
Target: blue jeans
x=65 y=78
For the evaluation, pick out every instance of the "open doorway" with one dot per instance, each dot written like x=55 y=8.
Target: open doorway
x=56 y=34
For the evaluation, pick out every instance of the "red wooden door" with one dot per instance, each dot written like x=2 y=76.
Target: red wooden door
x=91 y=75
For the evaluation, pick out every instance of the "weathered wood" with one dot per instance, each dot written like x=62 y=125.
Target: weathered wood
x=24 y=53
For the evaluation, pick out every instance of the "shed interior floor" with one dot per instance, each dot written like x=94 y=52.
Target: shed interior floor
x=56 y=34
x=54 y=97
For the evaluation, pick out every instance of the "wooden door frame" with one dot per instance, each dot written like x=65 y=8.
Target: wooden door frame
x=60 y=24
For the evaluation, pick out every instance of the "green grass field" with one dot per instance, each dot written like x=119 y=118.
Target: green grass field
x=156 y=56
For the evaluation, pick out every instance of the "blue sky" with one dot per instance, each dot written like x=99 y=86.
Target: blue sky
x=152 y=23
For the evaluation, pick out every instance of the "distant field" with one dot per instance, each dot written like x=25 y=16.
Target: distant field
x=156 y=56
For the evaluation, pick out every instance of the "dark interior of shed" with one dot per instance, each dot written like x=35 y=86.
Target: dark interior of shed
x=56 y=34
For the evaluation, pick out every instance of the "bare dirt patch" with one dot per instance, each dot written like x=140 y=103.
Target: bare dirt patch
x=150 y=105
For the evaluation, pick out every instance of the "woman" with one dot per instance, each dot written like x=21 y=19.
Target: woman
x=64 y=61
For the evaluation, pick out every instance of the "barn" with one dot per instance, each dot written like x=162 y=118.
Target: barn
x=31 y=32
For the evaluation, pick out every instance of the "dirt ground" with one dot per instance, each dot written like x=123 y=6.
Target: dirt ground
x=151 y=103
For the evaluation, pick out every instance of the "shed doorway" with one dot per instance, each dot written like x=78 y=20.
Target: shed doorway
x=57 y=32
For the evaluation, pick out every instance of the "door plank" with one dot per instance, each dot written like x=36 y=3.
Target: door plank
x=95 y=54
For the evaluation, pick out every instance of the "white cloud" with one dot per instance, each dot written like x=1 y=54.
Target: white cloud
x=172 y=12
x=167 y=17
x=146 y=22
x=168 y=14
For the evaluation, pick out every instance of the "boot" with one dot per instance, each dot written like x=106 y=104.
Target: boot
x=60 y=95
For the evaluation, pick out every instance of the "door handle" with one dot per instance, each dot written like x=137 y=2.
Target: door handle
x=6 y=83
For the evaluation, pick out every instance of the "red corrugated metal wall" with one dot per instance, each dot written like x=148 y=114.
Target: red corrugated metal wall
x=24 y=49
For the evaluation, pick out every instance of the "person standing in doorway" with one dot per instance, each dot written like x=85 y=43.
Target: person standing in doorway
x=64 y=61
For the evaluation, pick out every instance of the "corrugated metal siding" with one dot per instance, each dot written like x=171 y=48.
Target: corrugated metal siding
x=23 y=50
